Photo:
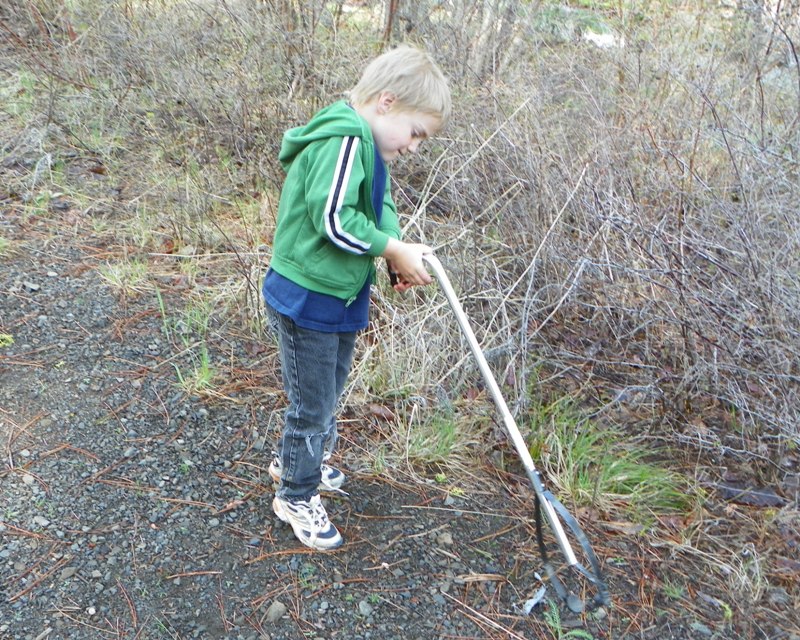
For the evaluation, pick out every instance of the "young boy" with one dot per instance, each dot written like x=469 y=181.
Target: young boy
x=335 y=216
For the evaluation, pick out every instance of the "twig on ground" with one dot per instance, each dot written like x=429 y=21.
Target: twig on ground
x=131 y=606
x=484 y=618
x=35 y=583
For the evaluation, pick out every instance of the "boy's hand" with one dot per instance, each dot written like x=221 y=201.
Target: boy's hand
x=398 y=285
x=405 y=261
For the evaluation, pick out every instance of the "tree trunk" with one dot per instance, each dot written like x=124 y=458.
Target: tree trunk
x=391 y=13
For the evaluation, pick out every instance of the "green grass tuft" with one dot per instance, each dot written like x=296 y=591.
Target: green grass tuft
x=596 y=466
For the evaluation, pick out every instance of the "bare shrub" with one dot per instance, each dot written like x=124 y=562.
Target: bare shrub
x=631 y=228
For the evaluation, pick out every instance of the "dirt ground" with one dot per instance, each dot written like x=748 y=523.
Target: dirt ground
x=133 y=510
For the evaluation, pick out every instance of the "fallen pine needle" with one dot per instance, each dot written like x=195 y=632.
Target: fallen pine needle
x=189 y=574
x=487 y=620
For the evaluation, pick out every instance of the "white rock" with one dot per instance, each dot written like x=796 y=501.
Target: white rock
x=445 y=538
x=276 y=611
x=603 y=40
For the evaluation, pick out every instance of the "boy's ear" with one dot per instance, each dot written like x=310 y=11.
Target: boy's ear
x=386 y=100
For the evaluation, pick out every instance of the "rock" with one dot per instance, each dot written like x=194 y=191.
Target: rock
x=445 y=538
x=276 y=611
x=701 y=629
x=365 y=608
x=68 y=572
x=600 y=614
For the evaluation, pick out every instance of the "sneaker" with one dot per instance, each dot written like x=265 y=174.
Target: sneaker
x=332 y=478
x=309 y=521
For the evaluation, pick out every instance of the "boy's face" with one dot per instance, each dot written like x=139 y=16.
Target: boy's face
x=400 y=131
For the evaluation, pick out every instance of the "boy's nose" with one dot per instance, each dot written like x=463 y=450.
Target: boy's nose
x=413 y=146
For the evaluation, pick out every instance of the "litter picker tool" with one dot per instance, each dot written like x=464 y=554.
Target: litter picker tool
x=563 y=525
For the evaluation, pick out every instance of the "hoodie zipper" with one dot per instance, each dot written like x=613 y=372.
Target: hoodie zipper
x=352 y=298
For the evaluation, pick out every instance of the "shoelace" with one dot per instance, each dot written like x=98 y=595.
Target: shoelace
x=318 y=513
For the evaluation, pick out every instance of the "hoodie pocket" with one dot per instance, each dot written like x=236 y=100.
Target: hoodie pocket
x=338 y=269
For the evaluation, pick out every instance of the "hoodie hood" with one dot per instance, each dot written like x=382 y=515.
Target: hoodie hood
x=336 y=120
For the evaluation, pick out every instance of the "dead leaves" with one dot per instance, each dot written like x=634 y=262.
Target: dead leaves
x=382 y=412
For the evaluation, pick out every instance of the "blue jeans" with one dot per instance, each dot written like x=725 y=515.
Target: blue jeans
x=314 y=367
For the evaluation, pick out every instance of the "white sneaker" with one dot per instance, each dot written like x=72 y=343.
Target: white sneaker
x=309 y=522
x=332 y=478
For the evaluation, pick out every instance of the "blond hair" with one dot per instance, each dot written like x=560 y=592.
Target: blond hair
x=412 y=76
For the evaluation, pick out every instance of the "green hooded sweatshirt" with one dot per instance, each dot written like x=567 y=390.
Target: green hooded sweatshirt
x=327 y=233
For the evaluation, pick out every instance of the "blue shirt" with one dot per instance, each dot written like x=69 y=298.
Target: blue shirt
x=318 y=311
